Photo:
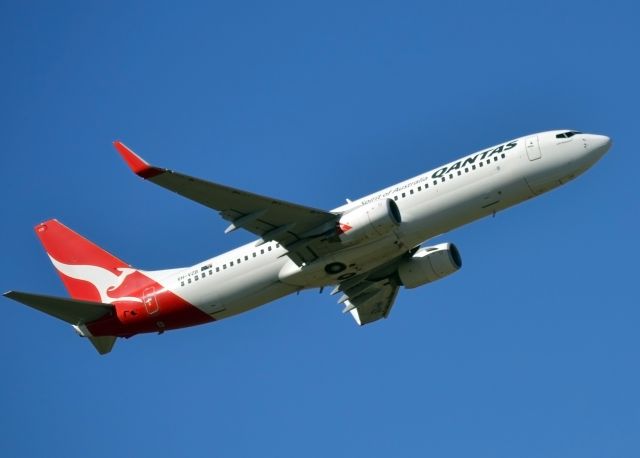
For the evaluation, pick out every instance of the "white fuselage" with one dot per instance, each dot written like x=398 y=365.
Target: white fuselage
x=430 y=204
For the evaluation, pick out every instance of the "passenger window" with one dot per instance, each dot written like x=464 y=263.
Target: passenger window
x=204 y=274
x=442 y=179
x=254 y=254
x=419 y=188
x=435 y=183
x=262 y=251
x=189 y=280
x=246 y=258
x=404 y=195
x=395 y=197
x=473 y=166
x=451 y=176
x=182 y=283
x=480 y=164
x=211 y=272
x=224 y=266
x=231 y=264
x=411 y=191
x=495 y=159
x=459 y=173
x=466 y=170
x=503 y=156
x=269 y=248
x=217 y=269
x=239 y=260
x=197 y=278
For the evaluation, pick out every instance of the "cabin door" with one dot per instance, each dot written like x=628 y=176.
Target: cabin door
x=533 y=148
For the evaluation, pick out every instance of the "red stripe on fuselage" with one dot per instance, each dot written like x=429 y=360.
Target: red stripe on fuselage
x=164 y=311
x=167 y=311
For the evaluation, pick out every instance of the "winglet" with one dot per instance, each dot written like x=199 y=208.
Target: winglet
x=138 y=165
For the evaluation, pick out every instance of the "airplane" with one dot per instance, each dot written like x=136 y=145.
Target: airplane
x=367 y=248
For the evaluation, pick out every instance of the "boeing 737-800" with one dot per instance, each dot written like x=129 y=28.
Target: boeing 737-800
x=367 y=248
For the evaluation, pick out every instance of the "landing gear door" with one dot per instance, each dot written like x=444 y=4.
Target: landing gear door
x=533 y=148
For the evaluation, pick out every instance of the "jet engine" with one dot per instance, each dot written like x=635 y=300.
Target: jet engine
x=429 y=264
x=368 y=221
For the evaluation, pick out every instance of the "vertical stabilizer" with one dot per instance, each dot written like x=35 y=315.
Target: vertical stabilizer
x=88 y=272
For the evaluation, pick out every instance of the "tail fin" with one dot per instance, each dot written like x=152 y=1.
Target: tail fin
x=86 y=270
x=90 y=275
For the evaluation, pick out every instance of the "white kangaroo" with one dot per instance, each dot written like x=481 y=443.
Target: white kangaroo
x=103 y=279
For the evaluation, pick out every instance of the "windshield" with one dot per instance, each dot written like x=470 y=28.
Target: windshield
x=569 y=134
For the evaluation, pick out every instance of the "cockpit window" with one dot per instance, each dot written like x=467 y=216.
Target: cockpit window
x=569 y=134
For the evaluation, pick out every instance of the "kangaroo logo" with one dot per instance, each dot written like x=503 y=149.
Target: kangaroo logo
x=102 y=279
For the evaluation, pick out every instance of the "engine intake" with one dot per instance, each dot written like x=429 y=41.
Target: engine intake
x=372 y=220
x=430 y=264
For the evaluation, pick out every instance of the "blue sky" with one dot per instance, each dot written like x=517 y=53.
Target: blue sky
x=530 y=350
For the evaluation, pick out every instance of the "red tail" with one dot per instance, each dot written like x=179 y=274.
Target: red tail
x=136 y=302
x=88 y=272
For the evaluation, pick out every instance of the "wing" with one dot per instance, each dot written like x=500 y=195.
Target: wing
x=366 y=300
x=295 y=227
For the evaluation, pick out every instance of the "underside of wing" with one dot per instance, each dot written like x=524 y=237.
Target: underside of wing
x=369 y=301
x=296 y=227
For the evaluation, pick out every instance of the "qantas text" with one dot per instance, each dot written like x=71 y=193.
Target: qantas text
x=469 y=160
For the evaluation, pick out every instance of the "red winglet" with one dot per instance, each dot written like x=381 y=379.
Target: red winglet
x=139 y=166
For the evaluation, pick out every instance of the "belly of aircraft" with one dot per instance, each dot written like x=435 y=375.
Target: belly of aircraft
x=344 y=264
x=243 y=301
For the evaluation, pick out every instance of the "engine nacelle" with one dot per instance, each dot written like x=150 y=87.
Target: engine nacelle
x=430 y=264
x=372 y=220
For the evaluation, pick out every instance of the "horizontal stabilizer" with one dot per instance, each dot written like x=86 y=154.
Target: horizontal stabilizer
x=70 y=310
x=103 y=344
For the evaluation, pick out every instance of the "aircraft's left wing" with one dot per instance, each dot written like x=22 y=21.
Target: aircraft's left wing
x=293 y=226
x=368 y=301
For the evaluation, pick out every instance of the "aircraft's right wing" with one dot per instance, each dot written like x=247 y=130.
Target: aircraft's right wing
x=294 y=226
x=368 y=301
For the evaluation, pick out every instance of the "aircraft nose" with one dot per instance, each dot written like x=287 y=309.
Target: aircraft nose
x=600 y=144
